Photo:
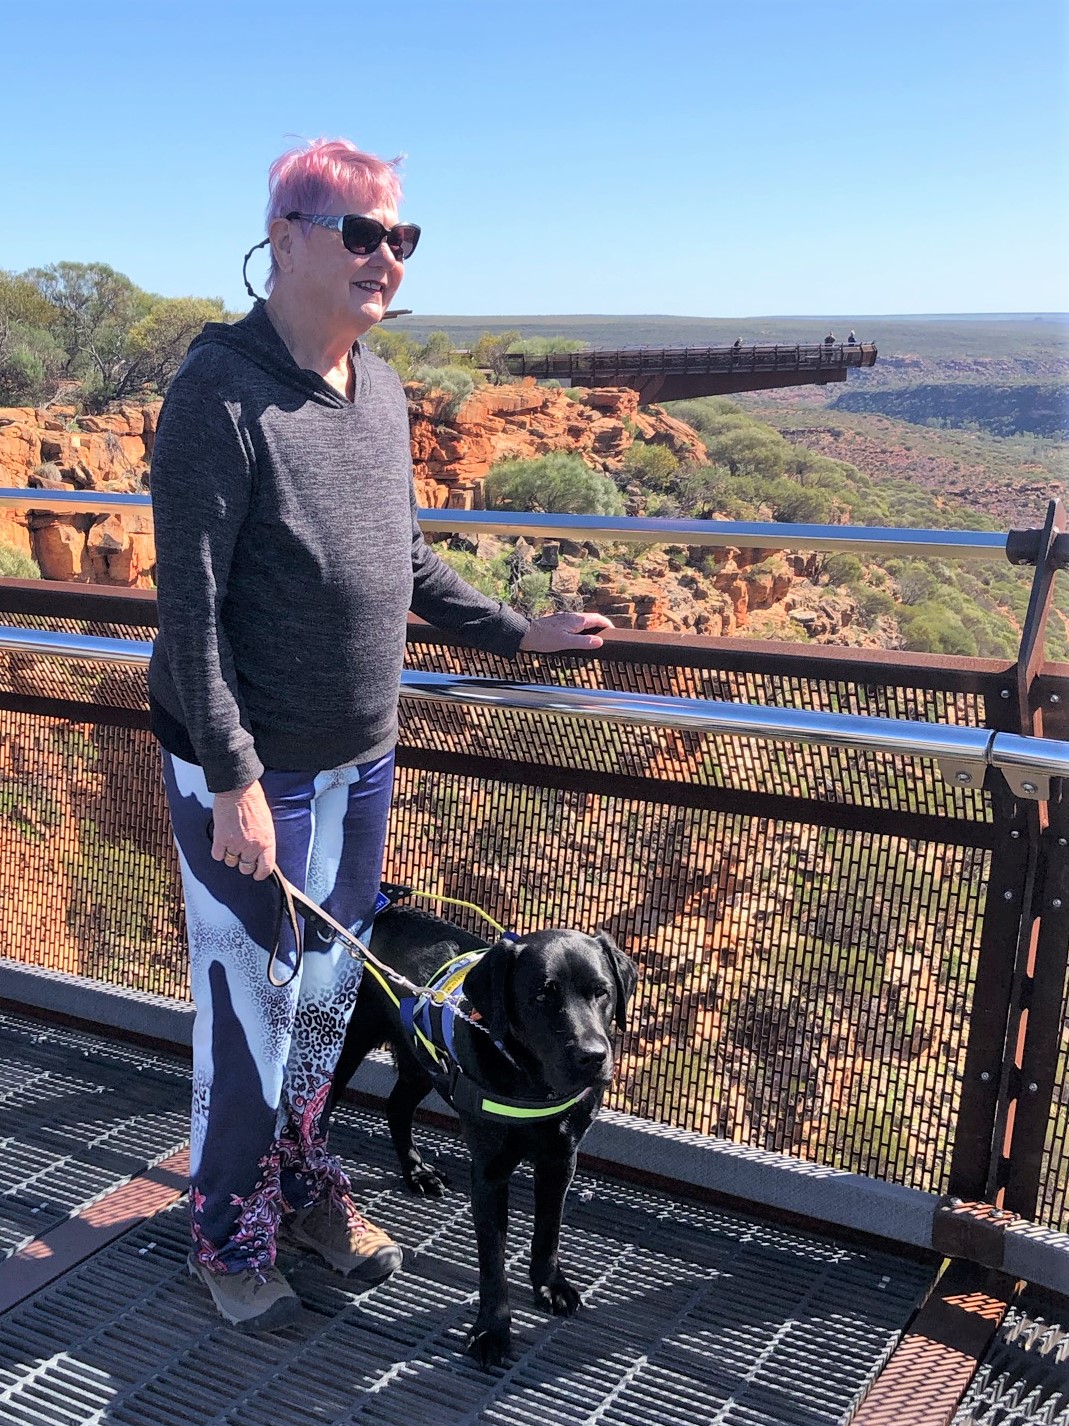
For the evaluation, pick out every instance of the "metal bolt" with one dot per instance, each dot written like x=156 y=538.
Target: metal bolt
x=1015 y=835
x=1062 y=842
x=985 y=1075
x=1057 y=903
x=1056 y=698
x=1029 y=787
x=1032 y=1087
x=995 y=1213
x=963 y=776
x=1007 y=896
x=1004 y=693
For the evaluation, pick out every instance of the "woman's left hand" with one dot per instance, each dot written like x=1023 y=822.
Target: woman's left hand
x=558 y=633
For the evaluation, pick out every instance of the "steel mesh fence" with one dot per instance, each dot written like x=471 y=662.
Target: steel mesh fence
x=1053 y=1206
x=805 y=988
x=88 y=875
x=802 y=989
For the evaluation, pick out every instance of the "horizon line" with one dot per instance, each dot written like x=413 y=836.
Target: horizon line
x=759 y=317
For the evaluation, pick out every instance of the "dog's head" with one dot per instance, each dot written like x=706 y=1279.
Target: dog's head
x=553 y=997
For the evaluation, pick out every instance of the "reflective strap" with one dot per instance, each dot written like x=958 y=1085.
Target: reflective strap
x=516 y=1111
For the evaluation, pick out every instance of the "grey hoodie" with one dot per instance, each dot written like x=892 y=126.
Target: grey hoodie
x=288 y=556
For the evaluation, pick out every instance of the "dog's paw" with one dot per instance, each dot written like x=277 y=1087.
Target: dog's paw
x=426 y=1181
x=490 y=1345
x=557 y=1296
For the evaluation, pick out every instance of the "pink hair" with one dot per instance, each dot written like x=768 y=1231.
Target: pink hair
x=326 y=173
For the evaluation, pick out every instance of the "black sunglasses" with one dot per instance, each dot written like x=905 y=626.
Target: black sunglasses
x=364 y=235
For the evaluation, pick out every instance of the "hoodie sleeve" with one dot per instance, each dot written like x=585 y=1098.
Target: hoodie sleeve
x=201 y=487
x=440 y=596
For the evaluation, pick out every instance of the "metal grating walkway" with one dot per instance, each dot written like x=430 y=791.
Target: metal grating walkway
x=693 y=1316
x=1024 y=1378
x=78 y=1116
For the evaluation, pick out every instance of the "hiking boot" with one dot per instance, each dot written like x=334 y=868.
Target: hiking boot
x=345 y=1239
x=251 y=1301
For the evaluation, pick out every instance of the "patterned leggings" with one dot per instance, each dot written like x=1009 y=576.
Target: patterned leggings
x=264 y=1057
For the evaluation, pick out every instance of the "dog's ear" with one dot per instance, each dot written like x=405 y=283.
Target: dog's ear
x=486 y=986
x=624 y=975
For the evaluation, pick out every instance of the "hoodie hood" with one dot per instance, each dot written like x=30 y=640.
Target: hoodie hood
x=255 y=338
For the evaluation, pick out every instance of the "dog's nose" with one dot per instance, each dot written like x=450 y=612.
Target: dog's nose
x=591 y=1058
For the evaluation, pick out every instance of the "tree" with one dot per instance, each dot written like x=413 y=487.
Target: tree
x=560 y=483
x=118 y=340
x=30 y=359
x=437 y=350
x=398 y=348
x=95 y=309
x=156 y=345
x=21 y=301
x=489 y=351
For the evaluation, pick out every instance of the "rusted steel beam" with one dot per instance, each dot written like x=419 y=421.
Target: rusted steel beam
x=678 y=386
x=1035 y=1054
x=60 y=599
x=974 y=1155
x=929 y=1371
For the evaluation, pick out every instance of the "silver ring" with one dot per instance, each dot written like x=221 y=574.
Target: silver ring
x=243 y=862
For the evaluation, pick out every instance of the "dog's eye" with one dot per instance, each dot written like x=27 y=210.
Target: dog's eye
x=548 y=992
x=601 y=992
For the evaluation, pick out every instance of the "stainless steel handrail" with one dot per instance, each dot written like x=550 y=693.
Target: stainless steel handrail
x=719 y=534
x=707 y=534
x=72 y=502
x=974 y=748
x=83 y=648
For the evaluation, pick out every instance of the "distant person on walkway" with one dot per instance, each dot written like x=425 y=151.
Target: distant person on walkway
x=851 y=340
x=829 y=340
x=737 y=344
x=289 y=556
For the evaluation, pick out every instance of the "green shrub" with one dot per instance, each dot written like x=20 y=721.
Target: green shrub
x=16 y=565
x=873 y=602
x=842 y=569
x=479 y=573
x=456 y=382
x=30 y=363
x=749 y=448
x=653 y=465
x=533 y=593
x=543 y=346
x=560 y=482
x=930 y=627
x=662 y=507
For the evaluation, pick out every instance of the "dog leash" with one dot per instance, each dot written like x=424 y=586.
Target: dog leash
x=458 y=1086
x=289 y=901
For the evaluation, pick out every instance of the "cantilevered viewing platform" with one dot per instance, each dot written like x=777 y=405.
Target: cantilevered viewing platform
x=677 y=373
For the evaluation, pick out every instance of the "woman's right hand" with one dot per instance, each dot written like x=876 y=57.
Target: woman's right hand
x=244 y=831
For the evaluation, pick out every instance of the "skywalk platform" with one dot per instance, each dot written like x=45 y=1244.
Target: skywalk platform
x=692 y=1312
x=678 y=373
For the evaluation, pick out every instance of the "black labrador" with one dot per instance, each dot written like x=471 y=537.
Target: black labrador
x=531 y=1077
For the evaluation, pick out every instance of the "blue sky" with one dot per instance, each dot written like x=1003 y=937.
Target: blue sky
x=702 y=157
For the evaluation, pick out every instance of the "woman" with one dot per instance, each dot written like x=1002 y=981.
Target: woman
x=288 y=556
